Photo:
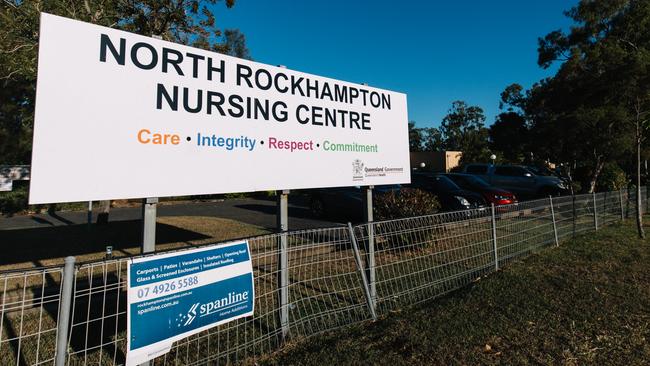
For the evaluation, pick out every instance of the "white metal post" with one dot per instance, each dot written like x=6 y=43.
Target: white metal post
x=149 y=206
x=282 y=217
x=627 y=202
x=550 y=200
x=63 y=327
x=364 y=281
x=595 y=213
x=89 y=214
x=620 y=198
x=149 y=211
x=494 y=240
x=368 y=217
x=573 y=209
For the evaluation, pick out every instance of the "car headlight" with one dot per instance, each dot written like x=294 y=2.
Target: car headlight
x=462 y=201
x=499 y=197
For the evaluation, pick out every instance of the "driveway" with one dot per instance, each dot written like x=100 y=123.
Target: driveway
x=259 y=212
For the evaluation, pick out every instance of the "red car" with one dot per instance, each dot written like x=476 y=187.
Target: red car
x=492 y=194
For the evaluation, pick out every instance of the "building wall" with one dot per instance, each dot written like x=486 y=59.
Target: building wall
x=437 y=161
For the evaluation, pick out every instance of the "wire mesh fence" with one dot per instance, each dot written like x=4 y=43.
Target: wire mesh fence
x=306 y=282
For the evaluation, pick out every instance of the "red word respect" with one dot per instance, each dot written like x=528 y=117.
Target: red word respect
x=290 y=145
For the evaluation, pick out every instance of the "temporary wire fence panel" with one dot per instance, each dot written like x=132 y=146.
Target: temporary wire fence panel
x=29 y=316
x=420 y=258
x=406 y=261
x=566 y=216
x=523 y=228
x=324 y=293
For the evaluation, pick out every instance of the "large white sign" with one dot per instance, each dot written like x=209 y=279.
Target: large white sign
x=120 y=115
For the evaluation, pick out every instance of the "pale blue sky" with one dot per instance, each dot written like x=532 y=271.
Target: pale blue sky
x=434 y=51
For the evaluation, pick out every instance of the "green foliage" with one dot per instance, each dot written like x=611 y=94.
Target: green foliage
x=612 y=178
x=425 y=139
x=463 y=130
x=509 y=137
x=415 y=137
x=14 y=201
x=596 y=108
x=407 y=202
x=190 y=22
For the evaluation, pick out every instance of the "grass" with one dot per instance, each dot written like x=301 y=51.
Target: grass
x=30 y=302
x=587 y=302
x=36 y=247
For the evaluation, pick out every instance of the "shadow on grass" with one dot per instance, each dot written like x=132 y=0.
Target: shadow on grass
x=37 y=244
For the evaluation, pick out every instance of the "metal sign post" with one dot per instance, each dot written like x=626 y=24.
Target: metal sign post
x=283 y=259
x=149 y=206
x=89 y=214
x=282 y=218
x=368 y=217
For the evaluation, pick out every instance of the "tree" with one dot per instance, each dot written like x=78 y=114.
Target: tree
x=509 y=136
x=190 y=22
x=607 y=51
x=432 y=139
x=235 y=44
x=415 y=137
x=463 y=130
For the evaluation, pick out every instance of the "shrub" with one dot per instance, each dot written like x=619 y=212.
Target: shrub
x=407 y=202
x=14 y=201
x=612 y=178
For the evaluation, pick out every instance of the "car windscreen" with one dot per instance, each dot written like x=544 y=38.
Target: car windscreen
x=444 y=184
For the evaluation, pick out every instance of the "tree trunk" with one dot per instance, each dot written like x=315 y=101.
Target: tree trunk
x=104 y=210
x=594 y=178
x=639 y=216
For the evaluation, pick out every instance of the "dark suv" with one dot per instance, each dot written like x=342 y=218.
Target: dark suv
x=518 y=180
x=343 y=202
x=450 y=195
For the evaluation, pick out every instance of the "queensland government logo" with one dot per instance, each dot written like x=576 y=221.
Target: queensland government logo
x=361 y=171
x=357 y=170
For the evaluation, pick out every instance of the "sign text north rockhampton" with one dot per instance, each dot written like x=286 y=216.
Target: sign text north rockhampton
x=146 y=57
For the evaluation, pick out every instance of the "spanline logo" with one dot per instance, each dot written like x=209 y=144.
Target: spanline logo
x=187 y=318
x=233 y=302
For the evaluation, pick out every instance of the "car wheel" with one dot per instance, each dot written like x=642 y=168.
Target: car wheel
x=317 y=207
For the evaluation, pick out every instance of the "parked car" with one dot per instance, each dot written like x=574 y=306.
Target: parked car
x=537 y=170
x=518 y=180
x=492 y=194
x=451 y=196
x=344 y=202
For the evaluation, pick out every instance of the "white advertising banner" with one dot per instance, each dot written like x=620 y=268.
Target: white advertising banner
x=119 y=115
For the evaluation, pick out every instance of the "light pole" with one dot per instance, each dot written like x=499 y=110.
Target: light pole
x=493 y=158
